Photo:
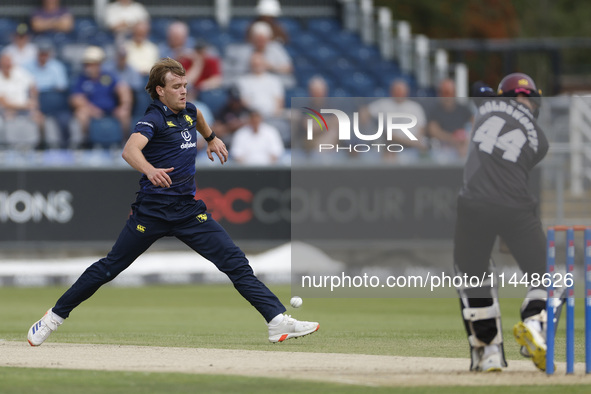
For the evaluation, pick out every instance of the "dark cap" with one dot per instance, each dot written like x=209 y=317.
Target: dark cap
x=22 y=29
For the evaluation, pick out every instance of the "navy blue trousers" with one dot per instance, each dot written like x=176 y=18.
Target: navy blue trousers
x=154 y=217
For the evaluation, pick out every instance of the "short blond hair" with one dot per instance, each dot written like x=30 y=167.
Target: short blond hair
x=158 y=74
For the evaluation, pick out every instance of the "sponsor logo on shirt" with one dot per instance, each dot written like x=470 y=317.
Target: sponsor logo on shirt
x=201 y=217
x=186 y=135
x=170 y=124
x=146 y=123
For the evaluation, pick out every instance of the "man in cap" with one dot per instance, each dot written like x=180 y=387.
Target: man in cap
x=98 y=93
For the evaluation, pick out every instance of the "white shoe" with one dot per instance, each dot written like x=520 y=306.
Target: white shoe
x=291 y=328
x=491 y=359
x=41 y=330
x=531 y=336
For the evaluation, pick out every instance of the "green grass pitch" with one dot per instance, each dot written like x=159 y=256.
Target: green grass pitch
x=215 y=316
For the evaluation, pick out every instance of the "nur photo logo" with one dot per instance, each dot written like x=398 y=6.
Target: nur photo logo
x=352 y=139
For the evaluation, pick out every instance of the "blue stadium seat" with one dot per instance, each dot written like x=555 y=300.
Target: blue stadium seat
x=141 y=100
x=237 y=28
x=291 y=26
x=7 y=29
x=359 y=83
x=203 y=27
x=84 y=29
x=215 y=99
x=324 y=26
x=323 y=54
x=342 y=64
x=293 y=51
x=221 y=41
x=305 y=41
x=294 y=92
x=344 y=39
x=104 y=132
x=341 y=92
x=53 y=102
x=366 y=54
x=303 y=62
x=101 y=38
x=159 y=27
x=380 y=91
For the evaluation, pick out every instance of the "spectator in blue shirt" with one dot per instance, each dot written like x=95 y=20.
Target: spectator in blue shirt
x=98 y=93
x=51 y=81
x=52 y=18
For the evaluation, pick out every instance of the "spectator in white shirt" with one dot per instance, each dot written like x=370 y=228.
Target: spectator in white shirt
x=141 y=52
x=21 y=50
x=122 y=15
x=260 y=90
x=256 y=143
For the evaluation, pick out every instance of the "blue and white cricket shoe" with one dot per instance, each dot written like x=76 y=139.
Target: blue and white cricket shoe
x=42 y=329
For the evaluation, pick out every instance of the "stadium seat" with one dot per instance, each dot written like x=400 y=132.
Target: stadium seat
x=141 y=100
x=21 y=132
x=237 y=28
x=359 y=83
x=159 y=27
x=105 y=132
x=215 y=99
x=344 y=39
x=305 y=41
x=203 y=27
x=84 y=29
x=324 y=26
x=53 y=102
x=7 y=29
x=294 y=92
x=221 y=42
x=341 y=92
x=291 y=26
x=323 y=54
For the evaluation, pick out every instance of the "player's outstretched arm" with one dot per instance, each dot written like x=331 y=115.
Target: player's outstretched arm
x=132 y=154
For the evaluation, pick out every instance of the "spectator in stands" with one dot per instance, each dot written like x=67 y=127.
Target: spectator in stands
x=122 y=15
x=19 y=105
x=123 y=71
x=141 y=52
x=51 y=81
x=231 y=117
x=52 y=18
x=260 y=90
x=449 y=124
x=21 y=49
x=400 y=103
x=268 y=11
x=97 y=93
x=178 y=43
x=204 y=71
x=256 y=143
x=276 y=59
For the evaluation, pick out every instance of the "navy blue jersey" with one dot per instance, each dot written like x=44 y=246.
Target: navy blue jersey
x=172 y=143
x=506 y=144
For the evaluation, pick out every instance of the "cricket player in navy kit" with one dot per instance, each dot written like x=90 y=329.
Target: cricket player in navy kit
x=163 y=148
x=506 y=144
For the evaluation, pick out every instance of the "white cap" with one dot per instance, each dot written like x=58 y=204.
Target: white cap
x=93 y=54
x=269 y=8
x=262 y=28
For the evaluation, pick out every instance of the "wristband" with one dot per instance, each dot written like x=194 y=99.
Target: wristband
x=211 y=137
